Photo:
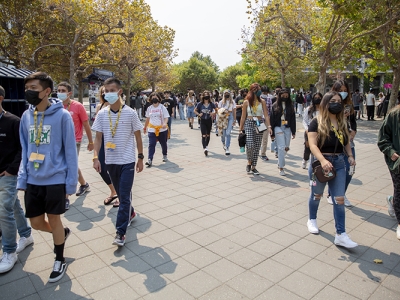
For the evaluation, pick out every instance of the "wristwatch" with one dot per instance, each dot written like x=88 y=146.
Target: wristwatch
x=140 y=156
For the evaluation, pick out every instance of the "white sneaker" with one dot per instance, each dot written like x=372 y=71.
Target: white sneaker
x=329 y=199
x=282 y=172
x=304 y=164
x=8 y=261
x=347 y=203
x=223 y=146
x=312 y=226
x=227 y=151
x=398 y=232
x=344 y=241
x=391 y=212
x=24 y=242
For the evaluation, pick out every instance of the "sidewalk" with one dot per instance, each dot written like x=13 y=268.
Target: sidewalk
x=207 y=230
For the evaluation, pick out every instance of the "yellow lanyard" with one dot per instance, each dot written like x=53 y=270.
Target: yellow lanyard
x=38 y=130
x=69 y=105
x=114 y=129
x=339 y=135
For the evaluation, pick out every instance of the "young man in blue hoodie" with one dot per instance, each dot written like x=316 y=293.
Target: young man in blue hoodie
x=49 y=165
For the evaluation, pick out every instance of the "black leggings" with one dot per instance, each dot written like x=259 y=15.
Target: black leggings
x=396 y=195
x=205 y=127
x=307 y=151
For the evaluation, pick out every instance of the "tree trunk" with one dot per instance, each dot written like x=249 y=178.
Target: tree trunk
x=81 y=87
x=153 y=86
x=395 y=87
x=128 y=88
x=320 y=85
x=283 y=78
x=72 y=69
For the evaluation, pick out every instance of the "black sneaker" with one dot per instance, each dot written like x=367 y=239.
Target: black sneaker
x=206 y=152
x=264 y=157
x=67 y=232
x=119 y=240
x=255 y=172
x=59 y=269
x=248 y=168
x=66 y=204
x=83 y=189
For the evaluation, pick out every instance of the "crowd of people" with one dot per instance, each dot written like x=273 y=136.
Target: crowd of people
x=37 y=156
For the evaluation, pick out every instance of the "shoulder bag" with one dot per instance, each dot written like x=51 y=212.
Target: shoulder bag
x=320 y=173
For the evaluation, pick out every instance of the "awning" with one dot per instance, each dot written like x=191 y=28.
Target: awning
x=14 y=73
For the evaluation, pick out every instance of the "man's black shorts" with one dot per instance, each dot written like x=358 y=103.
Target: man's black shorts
x=40 y=199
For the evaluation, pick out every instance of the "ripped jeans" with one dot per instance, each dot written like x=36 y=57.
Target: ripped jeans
x=336 y=187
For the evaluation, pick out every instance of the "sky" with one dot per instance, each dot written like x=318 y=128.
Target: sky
x=212 y=27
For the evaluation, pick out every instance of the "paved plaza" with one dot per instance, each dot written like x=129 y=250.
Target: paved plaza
x=208 y=230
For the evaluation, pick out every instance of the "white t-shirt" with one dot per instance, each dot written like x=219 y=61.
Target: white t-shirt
x=228 y=106
x=370 y=98
x=124 y=138
x=156 y=114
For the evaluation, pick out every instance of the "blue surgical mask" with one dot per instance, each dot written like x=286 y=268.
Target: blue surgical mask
x=62 y=96
x=111 y=97
x=344 y=95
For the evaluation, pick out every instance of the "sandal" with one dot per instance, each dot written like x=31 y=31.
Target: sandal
x=109 y=200
x=116 y=204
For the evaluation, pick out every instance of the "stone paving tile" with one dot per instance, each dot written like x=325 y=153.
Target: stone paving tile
x=243 y=237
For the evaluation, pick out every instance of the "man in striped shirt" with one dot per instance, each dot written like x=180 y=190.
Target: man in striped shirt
x=121 y=128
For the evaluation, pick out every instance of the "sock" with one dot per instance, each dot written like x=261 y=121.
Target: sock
x=59 y=252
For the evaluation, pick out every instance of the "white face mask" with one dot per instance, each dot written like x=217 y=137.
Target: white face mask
x=111 y=97
x=344 y=95
x=62 y=96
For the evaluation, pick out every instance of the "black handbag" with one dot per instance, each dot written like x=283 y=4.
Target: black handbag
x=320 y=173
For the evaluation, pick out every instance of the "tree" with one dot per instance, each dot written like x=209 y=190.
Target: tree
x=228 y=77
x=195 y=74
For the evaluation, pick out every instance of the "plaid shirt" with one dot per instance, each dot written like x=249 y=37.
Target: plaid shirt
x=268 y=102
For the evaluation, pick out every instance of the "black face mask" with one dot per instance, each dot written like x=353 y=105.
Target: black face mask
x=154 y=100
x=33 y=97
x=226 y=96
x=206 y=97
x=317 y=101
x=335 y=108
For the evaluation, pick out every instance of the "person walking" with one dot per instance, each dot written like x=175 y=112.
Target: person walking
x=102 y=158
x=309 y=114
x=81 y=121
x=370 y=100
x=267 y=97
x=181 y=106
x=329 y=138
x=190 y=105
x=169 y=104
x=283 y=122
x=49 y=166
x=205 y=110
x=121 y=128
x=253 y=110
x=157 y=127
x=389 y=145
x=357 y=101
x=12 y=217
x=226 y=119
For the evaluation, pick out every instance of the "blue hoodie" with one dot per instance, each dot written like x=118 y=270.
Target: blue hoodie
x=57 y=143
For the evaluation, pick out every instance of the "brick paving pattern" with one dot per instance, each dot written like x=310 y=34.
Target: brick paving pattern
x=207 y=230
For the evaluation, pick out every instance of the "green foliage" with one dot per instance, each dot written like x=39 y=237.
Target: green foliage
x=228 y=78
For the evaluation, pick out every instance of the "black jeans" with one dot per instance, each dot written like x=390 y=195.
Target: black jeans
x=370 y=112
x=396 y=195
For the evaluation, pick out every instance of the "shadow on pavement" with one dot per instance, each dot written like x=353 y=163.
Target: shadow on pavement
x=154 y=257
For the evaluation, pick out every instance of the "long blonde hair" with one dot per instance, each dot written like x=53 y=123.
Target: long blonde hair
x=324 y=122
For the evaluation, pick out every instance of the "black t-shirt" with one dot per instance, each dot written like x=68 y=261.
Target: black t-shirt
x=239 y=101
x=169 y=105
x=206 y=111
x=330 y=142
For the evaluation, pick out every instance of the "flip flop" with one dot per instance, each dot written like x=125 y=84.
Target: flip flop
x=116 y=204
x=109 y=200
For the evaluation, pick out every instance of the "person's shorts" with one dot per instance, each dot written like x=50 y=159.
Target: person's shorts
x=41 y=199
x=78 y=147
x=356 y=108
x=190 y=112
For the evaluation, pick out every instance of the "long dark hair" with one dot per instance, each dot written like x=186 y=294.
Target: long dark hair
x=313 y=108
x=278 y=108
x=251 y=95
